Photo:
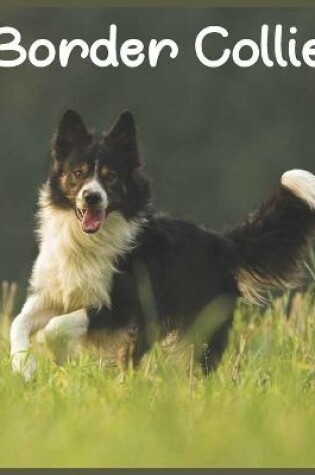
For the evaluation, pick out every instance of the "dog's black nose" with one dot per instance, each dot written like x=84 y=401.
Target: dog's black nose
x=91 y=198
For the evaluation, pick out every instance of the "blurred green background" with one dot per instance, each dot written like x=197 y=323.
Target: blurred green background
x=215 y=141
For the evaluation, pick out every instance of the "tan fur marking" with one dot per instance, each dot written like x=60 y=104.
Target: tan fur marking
x=105 y=171
x=83 y=167
x=63 y=180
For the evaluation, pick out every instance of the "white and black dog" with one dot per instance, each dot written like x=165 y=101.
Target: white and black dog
x=101 y=244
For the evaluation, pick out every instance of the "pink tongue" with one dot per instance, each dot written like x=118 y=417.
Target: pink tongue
x=92 y=220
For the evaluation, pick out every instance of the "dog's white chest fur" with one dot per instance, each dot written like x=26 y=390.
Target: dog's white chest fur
x=73 y=269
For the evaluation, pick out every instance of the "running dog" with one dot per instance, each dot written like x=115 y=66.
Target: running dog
x=109 y=264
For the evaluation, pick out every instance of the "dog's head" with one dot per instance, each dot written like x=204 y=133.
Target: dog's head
x=94 y=176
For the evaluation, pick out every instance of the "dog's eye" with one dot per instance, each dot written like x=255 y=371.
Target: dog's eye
x=77 y=173
x=111 y=177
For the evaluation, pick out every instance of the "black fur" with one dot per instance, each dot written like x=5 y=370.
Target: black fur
x=269 y=245
x=185 y=268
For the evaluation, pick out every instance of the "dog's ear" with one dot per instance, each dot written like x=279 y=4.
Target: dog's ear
x=123 y=138
x=71 y=134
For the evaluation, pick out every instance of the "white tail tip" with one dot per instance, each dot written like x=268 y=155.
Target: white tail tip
x=302 y=184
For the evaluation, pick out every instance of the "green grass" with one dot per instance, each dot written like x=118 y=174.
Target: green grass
x=257 y=410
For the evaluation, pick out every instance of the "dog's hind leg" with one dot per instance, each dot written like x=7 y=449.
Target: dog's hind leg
x=214 y=349
x=63 y=331
x=209 y=332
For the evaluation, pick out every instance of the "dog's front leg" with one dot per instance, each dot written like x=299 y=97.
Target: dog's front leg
x=64 y=330
x=33 y=316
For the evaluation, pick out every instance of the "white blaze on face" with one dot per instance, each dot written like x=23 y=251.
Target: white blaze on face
x=93 y=186
x=92 y=217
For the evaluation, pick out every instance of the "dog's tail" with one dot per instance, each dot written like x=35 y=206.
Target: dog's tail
x=270 y=245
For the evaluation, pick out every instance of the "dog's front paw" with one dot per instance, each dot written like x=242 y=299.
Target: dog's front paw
x=24 y=364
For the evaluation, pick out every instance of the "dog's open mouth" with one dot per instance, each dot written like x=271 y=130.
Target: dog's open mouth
x=91 y=219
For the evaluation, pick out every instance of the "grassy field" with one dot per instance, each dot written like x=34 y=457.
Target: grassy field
x=257 y=410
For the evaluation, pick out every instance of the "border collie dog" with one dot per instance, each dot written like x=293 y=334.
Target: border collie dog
x=109 y=265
